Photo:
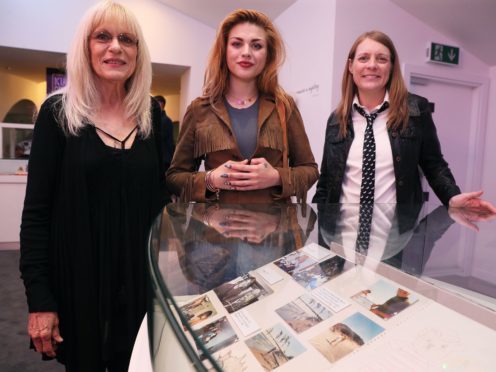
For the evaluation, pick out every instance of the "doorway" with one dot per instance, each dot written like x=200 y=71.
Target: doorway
x=460 y=102
x=460 y=115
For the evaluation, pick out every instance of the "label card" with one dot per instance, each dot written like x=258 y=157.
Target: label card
x=245 y=322
x=330 y=299
x=316 y=251
x=269 y=275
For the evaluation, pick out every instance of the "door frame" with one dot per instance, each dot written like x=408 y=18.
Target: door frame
x=478 y=122
x=477 y=141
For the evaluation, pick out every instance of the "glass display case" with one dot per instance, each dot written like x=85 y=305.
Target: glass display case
x=260 y=287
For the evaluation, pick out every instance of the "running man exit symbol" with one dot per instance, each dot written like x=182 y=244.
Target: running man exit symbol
x=441 y=53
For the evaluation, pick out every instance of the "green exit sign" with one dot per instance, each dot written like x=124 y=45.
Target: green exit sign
x=442 y=53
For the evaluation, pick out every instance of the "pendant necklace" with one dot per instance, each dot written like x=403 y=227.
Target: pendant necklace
x=244 y=102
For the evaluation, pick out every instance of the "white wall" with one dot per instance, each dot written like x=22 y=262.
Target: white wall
x=307 y=28
x=172 y=37
x=485 y=254
x=489 y=169
x=409 y=34
x=175 y=39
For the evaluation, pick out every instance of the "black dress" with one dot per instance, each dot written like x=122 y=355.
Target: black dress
x=87 y=212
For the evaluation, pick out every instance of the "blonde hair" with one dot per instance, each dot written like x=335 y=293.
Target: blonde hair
x=398 y=94
x=81 y=97
x=217 y=72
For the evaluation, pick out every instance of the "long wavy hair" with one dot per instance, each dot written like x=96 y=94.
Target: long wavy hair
x=398 y=94
x=81 y=96
x=217 y=72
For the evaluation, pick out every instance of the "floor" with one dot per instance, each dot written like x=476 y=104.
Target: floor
x=15 y=355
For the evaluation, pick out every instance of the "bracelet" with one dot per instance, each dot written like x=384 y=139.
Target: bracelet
x=210 y=185
x=207 y=214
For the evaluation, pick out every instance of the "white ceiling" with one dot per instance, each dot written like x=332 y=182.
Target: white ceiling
x=471 y=23
x=212 y=12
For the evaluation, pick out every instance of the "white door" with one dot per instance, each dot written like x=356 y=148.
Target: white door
x=459 y=106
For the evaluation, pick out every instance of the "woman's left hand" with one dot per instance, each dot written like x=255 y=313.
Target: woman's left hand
x=257 y=175
x=472 y=201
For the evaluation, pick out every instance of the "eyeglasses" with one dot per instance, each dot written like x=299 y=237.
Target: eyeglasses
x=126 y=40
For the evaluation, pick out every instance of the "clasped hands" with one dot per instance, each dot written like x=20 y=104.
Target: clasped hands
x=252 y=226
x=254 y=174
x=467 y=208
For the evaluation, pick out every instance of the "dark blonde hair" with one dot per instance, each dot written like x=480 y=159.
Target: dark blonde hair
x=217 y=72
x=398 y=94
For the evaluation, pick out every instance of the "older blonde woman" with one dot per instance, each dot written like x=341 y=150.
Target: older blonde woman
x=95 y=183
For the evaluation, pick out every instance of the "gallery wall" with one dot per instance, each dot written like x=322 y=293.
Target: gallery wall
x=307 y=73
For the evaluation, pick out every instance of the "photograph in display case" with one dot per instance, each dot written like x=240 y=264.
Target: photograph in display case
x=216 y=336
x=384 y=299
x=274 y=347
x=198 y=310
x=318 y=274
x=294 y=262
x=236 y=358
x=346 y=336
x=241 y=292
x=303 y=313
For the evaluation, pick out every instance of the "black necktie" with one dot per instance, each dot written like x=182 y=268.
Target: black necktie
x=367 y=187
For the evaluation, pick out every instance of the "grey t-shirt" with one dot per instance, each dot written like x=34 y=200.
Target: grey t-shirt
x=244 y=123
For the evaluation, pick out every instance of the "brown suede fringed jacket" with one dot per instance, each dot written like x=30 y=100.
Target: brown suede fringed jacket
x=206 y=134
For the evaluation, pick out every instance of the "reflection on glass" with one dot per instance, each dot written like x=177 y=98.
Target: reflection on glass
x=217 y=243
x=16 y=142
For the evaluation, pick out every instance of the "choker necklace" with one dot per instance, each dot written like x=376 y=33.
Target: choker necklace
x=243 y=102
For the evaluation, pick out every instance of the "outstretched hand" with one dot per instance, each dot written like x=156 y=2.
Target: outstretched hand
x=472 y=200
x=467 y=208
x=467 y=217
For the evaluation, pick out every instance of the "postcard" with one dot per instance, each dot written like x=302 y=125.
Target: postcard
x=346 y=336
x=318 y=274
x=216 y=336
x=385 y=299
x=245 y=322
x=332 y=300
x=274 y=347
x=294 y=262
x=269 y=275
x=316 y=251
x=198 y=310
x=303 y=313
x=241 y=292
x=235 y=358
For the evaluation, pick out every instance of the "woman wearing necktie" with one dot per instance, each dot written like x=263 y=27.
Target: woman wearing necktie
x=380 y=136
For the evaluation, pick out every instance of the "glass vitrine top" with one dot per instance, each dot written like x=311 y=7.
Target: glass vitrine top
x=257 y=287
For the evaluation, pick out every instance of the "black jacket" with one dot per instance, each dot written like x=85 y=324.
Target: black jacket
x=415 y=146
